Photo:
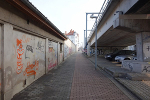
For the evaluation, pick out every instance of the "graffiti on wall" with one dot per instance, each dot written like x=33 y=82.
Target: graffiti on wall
x=128 y=65
x=50 y=43
x=146 y=51
x=40 y=50
x=31 y=68
x=20 y=52
x=40 y=46
x=52 y=54
x=146 y=69
x=25 y=39
x=28 y=50
x=50 y=50
x=52 y=63
x=68 y=51
x=148 y=48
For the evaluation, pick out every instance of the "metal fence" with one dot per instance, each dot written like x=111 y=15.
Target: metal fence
x=100 y=15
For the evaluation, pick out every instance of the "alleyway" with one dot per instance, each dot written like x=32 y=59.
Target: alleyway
x=74 y=79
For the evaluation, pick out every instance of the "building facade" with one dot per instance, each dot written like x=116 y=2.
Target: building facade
x=74 y=37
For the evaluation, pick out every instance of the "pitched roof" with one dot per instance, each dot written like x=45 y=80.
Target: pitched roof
x=70 y=33
x=29 y=9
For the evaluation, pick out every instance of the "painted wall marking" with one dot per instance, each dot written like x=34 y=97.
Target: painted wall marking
x=52 y=63
x=146 y=69
x=51 y=49
x=20 y=52
x=28 y=49
x=40 y=46
x=31 y=68
x=131 y=68
x=25 y=39
x=148 y=48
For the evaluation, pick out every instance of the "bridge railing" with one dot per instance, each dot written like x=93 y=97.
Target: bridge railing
x=100 y=15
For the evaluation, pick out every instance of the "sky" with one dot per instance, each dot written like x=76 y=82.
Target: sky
x=69 y=14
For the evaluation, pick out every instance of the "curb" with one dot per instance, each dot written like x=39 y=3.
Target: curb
x=134 y=93
x=117 y=83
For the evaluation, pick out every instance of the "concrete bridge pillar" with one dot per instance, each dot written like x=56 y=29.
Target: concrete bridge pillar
x=89 y=49
x=143 y=46
x=142 y=64
x=139 y=46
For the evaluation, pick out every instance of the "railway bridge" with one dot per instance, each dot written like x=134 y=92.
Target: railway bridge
x=122 y=23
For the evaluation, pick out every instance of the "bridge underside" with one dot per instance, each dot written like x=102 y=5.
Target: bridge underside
x=116 y=37
x=122 y=34
x=124 y=29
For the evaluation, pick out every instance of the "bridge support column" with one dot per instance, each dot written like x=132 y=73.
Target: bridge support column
x=143 y=46
x=89 y=49
x=142 y=64
x=139 y=47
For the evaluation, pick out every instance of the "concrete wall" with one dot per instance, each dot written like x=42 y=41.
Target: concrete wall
x=27 y=57
x=24 y=59
x=136 y=66
x=146 y=46
x=69 y=48
x=52 y=55
x=27 y=51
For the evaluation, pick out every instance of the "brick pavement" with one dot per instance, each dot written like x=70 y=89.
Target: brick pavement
x=139 y=85
x=74 y=79
x=140 y=88
x=56 y=85
x=89 y=84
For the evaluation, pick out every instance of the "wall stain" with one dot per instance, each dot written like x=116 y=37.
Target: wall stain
x=25 y=39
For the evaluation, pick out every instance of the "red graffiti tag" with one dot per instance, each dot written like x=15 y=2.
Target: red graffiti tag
x=30 y=70
x=25 y=39
x=20 y=52
x=51 y=65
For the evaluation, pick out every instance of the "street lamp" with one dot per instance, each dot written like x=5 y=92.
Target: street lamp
x=86 y=26
x=92 y=16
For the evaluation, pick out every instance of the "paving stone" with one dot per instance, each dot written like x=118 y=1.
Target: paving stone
x=140 y=88
x=74 y=79
x=88 y=84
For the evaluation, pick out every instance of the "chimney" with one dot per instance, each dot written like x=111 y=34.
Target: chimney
x=65 y=32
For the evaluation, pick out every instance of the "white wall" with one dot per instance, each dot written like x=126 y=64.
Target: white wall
x=69 y=48
x=52 y=55
x=27 y=54
x=24 y=59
